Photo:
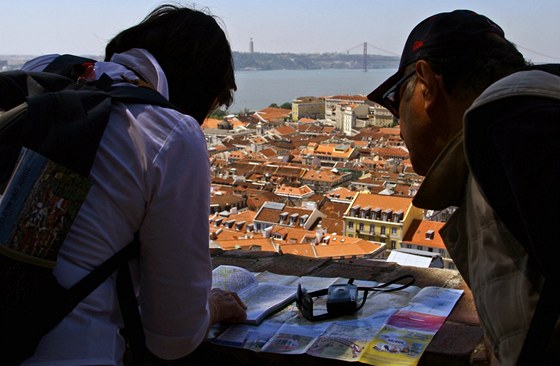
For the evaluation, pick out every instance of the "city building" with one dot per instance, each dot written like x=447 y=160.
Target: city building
x=380 y=218
x=276 y=213
x=308 y=107
x=328 y=154
x=323 y=180
x=423 y=236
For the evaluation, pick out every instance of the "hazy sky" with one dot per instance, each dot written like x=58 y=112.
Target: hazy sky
x=35 y=27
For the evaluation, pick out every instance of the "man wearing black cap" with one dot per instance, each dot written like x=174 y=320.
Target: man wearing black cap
x=461 y=101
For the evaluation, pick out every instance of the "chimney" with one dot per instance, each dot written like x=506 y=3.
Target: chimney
x=429 y=235
x=266 y=232
x=319 y=233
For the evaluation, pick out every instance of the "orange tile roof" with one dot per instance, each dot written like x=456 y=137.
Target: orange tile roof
x=294 y=235
x=220 y=147
x=272 y=215
x=237 y=123
x=390 y=151
x=350 y=247
x=331 y=150
x=238 y=154
x=342 y=193
x=259 y=140
x=347 y=248
x=307 y=120
x=361 y=143
x=417 y=231
x=323 y=175
x=233 y=226
x=293 y=191
x=265 y=244
x=332 y=224
x=390 y=130
x=305 y=250
x=285 y=130
x=383 y=202
x=271 y=113
x=246 y=216
x=269 y=152
x=257 y=198
x=334 y=209
x=223 y=233
x=349 y=97
x=210 y=123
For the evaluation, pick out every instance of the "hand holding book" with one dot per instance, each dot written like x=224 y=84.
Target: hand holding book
x=226 y=306
x=262 y=299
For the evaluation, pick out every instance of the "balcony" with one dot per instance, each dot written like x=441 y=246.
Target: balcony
x=458 y=342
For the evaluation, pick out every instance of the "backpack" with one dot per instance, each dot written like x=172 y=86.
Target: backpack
x=515 y=160
x=53 y=120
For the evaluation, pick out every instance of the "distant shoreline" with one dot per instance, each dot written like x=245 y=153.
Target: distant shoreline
x=247 y=61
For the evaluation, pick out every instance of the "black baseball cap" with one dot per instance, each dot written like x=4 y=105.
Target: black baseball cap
x=447 y=32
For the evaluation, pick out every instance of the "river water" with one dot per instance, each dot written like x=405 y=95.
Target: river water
x=258 y=89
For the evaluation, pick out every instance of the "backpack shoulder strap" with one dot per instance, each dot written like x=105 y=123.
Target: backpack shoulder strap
x=91 y=281
x=17 y=85
x=69 y=65
x=57 y=118
x=133 y=330
x=139 y=95
x=30 y=113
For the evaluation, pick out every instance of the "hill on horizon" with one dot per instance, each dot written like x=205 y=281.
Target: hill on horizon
x=267 y=61
x=311 y=61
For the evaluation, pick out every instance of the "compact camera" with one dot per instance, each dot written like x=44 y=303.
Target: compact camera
x=342 y=299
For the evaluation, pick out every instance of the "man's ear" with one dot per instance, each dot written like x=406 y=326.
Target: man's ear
x=430 y=84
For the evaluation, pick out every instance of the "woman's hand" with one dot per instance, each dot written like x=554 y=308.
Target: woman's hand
x=226 y=306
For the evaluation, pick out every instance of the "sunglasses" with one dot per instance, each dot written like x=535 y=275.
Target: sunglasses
x=342 y=299
x=392 y=97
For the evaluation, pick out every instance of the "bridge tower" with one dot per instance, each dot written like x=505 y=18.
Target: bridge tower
x=365 y=56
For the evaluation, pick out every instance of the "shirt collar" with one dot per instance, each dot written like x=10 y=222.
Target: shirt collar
x=444 y=183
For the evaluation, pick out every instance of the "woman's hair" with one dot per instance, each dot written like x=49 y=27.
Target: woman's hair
x=193 y=52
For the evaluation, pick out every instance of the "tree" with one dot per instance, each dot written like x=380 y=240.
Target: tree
x=286 y=105
x=218 y=113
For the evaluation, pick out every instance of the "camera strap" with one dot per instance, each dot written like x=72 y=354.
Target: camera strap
x=385 y=287
x=339 y=307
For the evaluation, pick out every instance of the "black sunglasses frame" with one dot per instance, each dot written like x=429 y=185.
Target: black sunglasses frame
x=392 y=97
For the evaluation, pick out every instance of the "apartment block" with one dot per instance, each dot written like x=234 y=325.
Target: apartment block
x=380 y=218
x=308 y=107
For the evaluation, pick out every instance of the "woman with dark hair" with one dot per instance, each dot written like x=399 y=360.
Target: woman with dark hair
x=151 y=176
x=192 y=51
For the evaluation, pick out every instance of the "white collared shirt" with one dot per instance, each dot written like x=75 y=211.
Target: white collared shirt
x=151 y=173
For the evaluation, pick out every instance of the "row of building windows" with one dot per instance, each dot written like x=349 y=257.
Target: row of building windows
x=361 y=227
x=376 y=214
x=439 y=251
x=293 y=218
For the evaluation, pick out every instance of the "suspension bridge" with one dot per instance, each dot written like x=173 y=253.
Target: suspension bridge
x=364 y=46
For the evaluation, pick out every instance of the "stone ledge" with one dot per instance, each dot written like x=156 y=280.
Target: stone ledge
x=459 y=341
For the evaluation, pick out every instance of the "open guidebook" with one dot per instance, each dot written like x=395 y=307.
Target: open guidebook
x=261 y=298
x=41 y=200
x=391 y=329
